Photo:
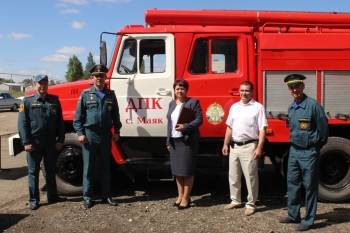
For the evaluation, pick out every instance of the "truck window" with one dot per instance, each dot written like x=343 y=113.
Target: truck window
x=199 y=63
x=151 y=55
x=6 y=96
x=223 y=56
x=128 y=62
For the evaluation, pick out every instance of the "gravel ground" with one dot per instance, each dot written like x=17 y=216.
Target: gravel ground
x=147 y=206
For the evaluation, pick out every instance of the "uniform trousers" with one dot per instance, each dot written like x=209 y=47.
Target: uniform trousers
x=303 y=168
x=241 y=160
x=98 y=146
x=48 y=152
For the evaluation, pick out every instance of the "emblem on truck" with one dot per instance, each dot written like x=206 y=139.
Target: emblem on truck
x=215 y=113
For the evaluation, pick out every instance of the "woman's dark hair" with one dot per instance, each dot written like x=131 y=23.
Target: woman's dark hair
x=181 y=83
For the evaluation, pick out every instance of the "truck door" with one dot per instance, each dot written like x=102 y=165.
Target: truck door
x=142 y=79
x=216 y=68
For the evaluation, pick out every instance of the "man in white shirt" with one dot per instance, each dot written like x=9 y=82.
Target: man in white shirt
x=245 y=133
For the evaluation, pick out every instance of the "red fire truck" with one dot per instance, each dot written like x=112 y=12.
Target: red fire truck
x=215 y=50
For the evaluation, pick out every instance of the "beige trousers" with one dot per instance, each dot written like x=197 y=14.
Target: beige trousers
x=241 y=160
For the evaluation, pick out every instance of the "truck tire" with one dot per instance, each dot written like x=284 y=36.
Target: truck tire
x=69 y=167
x=14 y=107
x=334 y=185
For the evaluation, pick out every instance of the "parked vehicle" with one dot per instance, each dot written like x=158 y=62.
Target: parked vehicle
x=215 y=50
x=7 y=101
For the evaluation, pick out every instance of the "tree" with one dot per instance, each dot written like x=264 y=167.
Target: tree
x=27 y=82
x=75 y=69
x=90 y=63
x=52 y=82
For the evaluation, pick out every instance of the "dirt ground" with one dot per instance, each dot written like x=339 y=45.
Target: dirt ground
x=147 y=206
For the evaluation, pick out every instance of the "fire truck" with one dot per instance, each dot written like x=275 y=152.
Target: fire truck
x=216 y=50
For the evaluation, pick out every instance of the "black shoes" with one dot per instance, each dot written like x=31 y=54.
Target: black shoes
x=57 y=199
x=302 y=227
x=288 y=220
x=176 y=204
x=33 y=206
x=180 y=207
x=87 y=204
x=109 y=201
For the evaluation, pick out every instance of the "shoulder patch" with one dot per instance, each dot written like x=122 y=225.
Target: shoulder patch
x=21 y=108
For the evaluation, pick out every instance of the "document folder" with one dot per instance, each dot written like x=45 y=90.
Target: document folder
x=186 y=115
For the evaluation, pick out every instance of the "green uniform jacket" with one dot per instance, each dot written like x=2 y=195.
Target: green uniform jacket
x=97 y=115
x=40 y=120
x=308 y=124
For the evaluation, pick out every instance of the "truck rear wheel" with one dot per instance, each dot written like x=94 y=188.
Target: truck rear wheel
x=334 y=185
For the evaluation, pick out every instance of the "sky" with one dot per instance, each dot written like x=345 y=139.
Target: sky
x=39 y=36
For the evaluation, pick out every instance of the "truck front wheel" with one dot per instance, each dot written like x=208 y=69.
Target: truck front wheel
x=69 y=167
x=334 y=185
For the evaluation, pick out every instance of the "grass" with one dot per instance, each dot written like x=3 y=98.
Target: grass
x=17 y=93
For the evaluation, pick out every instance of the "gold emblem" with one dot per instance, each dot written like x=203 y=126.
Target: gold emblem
x=21 y=108
x=215 y=113
x=53 y=111
x=303 y=125
x=109 y=108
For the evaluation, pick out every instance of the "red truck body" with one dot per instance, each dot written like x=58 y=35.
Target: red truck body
x=215 y=51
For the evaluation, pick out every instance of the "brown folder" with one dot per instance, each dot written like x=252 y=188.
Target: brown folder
x=186 y=115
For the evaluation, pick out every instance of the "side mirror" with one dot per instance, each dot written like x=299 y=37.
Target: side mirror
x=103 y=53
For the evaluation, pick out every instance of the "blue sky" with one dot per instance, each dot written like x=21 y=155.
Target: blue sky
x=39 y=36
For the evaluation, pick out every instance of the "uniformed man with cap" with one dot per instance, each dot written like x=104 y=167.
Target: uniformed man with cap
x=97 y=112
x=41 y=129
x=308 y=134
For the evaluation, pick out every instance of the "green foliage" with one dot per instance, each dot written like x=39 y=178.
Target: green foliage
x=90 y=63
x=27 y=82
x=75 y=69
x=52 y=82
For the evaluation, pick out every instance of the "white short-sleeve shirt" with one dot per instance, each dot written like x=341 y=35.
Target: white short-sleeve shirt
x=246 y=120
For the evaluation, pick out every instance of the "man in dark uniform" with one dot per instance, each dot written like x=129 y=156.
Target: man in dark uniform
x=97 y=111
x=41 y=129
x=308 y=134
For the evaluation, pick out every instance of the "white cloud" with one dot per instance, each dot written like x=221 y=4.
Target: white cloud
x=78 y=25
x=0 y=36
x=96 y=58
x=18 y=36
x=76 y=2
x=55 y=58
x=113 y=1
x=70 y=11
x=71 y=50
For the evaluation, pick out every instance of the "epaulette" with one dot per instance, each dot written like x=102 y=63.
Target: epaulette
x=27 y=96
x=85 y=90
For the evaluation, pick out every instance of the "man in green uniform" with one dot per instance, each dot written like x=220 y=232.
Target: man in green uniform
x=41 y=129
x=308 y=134
x=97 y=111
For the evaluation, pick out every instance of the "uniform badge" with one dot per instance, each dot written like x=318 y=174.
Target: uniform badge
x=21 y=108
x=215 y=113
x=91 y=98
x=53 y=111
x=303 y=125
x=109 y=107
